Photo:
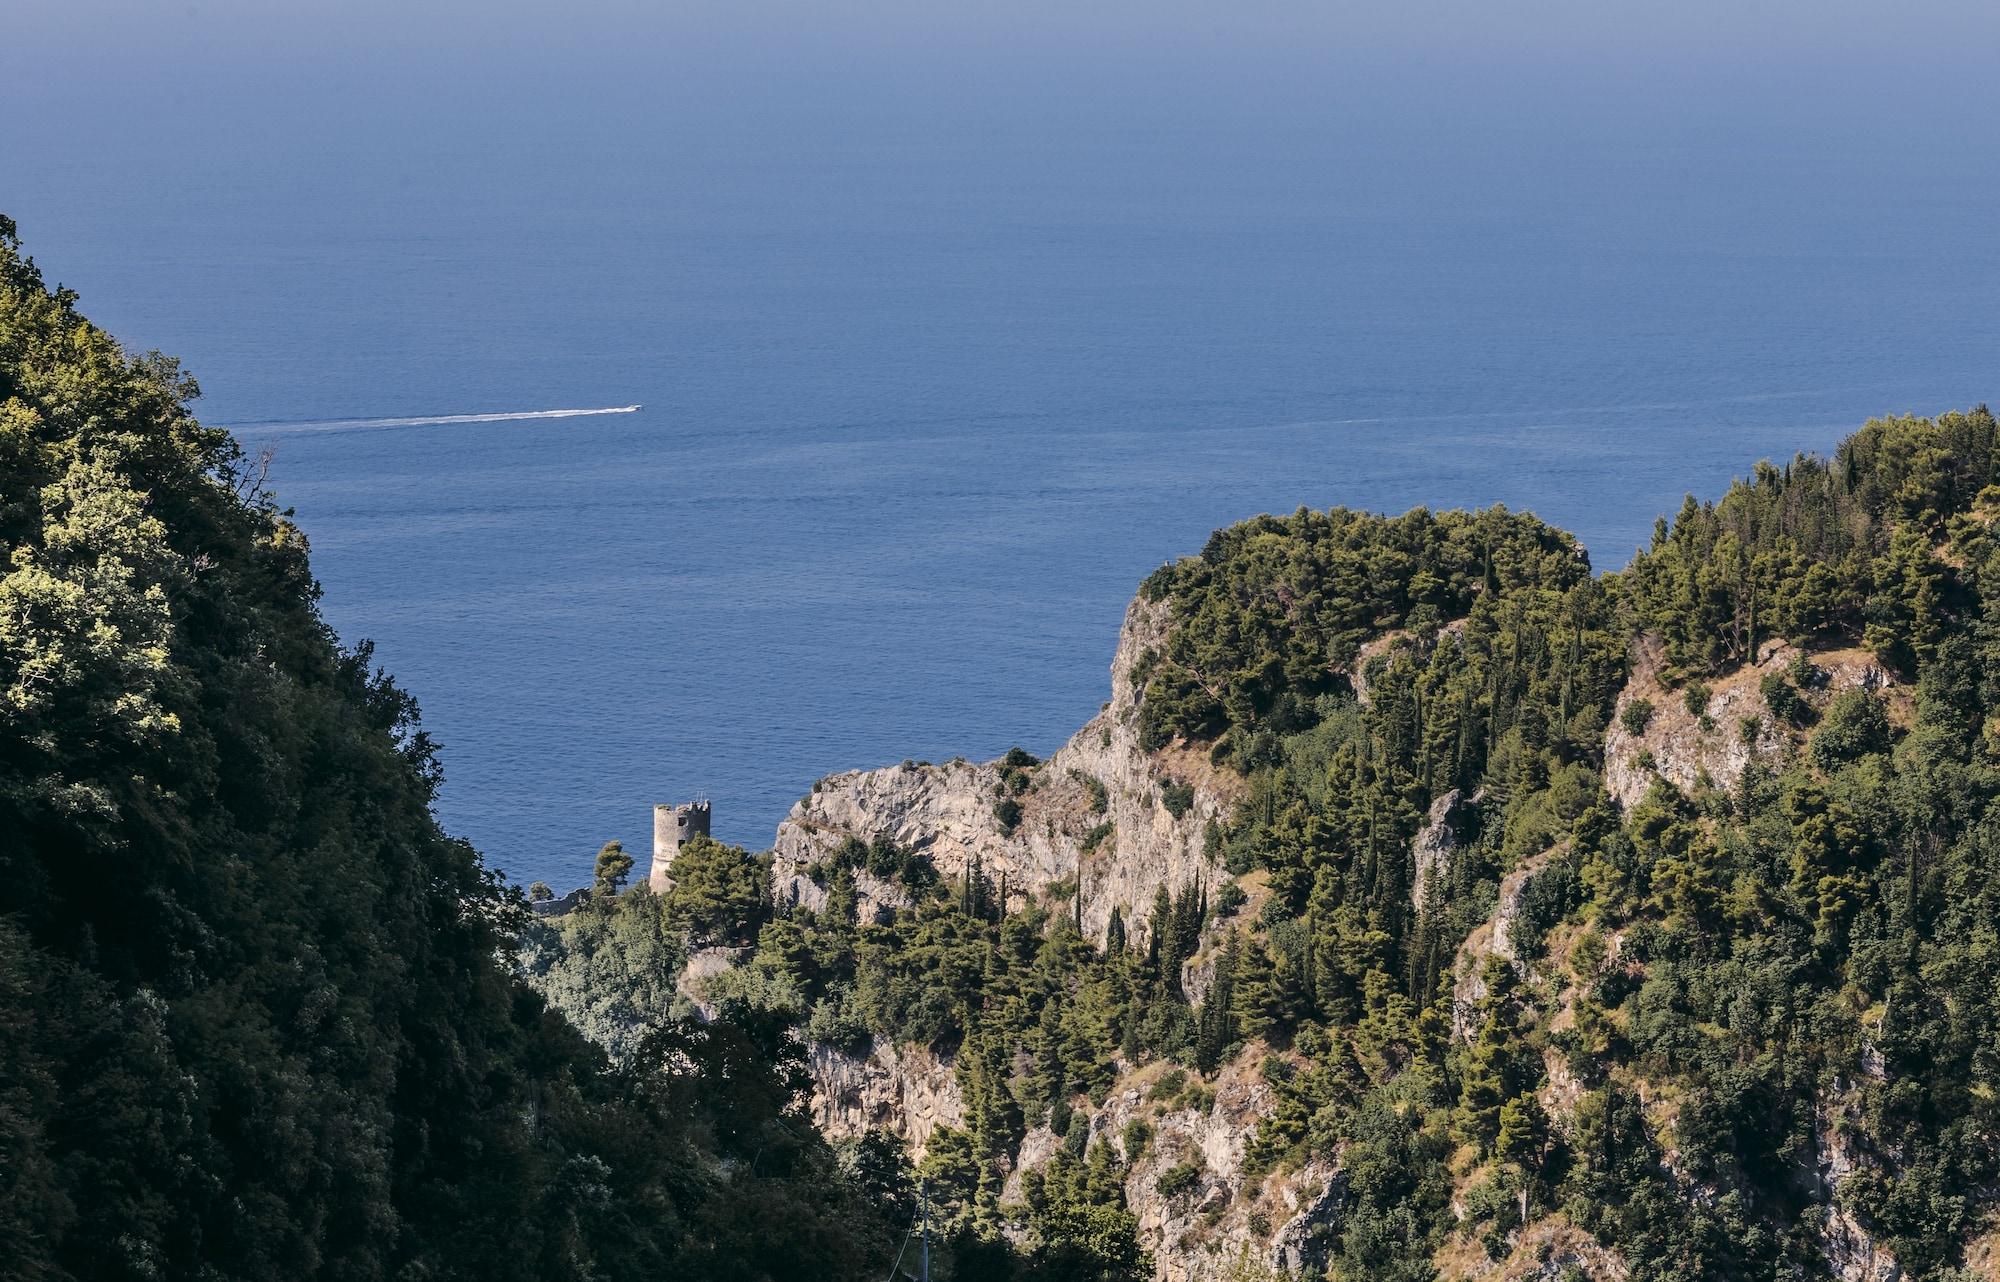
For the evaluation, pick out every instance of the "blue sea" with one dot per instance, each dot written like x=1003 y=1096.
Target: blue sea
x=930 y=379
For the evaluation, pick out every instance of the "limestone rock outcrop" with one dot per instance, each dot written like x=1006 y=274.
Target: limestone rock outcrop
x=1493 y=938
x=1120 y=849
x=1205 y=1232
x=909 y=1091
x=1223 y=1220
x=1688 y=749
x=1431 y=849
x=1852 y=1253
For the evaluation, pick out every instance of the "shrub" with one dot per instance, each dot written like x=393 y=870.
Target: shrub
x=1783 y=700
x=831 y=1023
x=1855 y=726
x=1176 y=796
x=1637 y=715
x=1179 y=1178
x=1016 y=773
x=720 y=893
x=1007 y=813
x=1695 y=697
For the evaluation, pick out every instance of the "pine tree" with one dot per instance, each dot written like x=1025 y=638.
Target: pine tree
x=1487 y=1078
x=613 y=867
x=1215 y=1030
x=1255 y=1004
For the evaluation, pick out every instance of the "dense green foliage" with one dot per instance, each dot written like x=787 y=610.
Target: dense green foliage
x=1825 y=548
x=1810 y=952
x=1736 y=986
x=1273 y=609
x=256 y=1019
x=259 y=1016
x=609 y=967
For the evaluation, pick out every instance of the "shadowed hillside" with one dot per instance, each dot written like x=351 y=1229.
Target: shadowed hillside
x=256 y=1016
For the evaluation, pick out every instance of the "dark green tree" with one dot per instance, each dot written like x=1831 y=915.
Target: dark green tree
x=614 y=866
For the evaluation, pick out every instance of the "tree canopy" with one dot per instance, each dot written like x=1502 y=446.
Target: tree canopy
x=1702 y=993
x=257 y=1018
x=261 y=1018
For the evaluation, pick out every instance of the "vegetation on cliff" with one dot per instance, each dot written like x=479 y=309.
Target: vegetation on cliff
x=1729 y=1032
x=260 y=1018
x=1734 y=983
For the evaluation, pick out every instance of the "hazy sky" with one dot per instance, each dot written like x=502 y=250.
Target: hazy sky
x=1802 y=27
x=65 y=56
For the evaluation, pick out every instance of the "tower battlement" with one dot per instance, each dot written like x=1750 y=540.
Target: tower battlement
x=673 y=827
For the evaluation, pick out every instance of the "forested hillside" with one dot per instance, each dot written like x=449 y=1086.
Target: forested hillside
x=257 y=1019
x=1733 y=1018
x=1421 y=905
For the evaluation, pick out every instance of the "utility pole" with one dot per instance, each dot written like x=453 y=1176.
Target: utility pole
x=924 y=1255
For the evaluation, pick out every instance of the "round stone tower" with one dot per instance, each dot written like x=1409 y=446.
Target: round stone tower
x=673 y=827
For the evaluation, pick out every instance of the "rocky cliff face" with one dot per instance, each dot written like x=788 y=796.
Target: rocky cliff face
x=1712 y=747
x=1220 y=1224
x=1492 y=939
x=1120 y=850
x=1430 y=852
x=908 y=1091
x=1852 y=1253
x=1097 y=817
x=1222 y=1220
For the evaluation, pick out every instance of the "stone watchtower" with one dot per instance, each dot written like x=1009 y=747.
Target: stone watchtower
x=674 y=827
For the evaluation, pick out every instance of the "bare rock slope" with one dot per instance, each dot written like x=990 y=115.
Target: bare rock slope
x=1117 y=824
x=1100 y=810
x=1691 y=749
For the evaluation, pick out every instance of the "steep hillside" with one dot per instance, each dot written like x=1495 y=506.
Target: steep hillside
x=256 y=1020
x=1421 y=905
x=1102 y=817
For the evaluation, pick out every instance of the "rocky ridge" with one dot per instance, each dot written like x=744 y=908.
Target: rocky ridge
x=1116 y=852
x=1118 y=855
x=1096 y=818
x=1692 y=749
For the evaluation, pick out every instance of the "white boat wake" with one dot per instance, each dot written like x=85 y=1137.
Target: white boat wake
x=431 y=420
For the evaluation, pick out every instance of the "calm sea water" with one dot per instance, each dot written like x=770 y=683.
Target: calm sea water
x=925 y=399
